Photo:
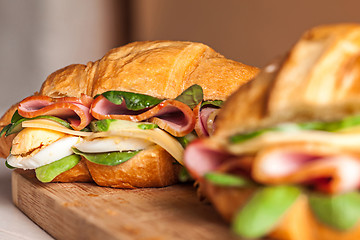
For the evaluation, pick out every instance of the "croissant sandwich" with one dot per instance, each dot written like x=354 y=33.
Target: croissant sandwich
x=124 y=120
x=284 y=160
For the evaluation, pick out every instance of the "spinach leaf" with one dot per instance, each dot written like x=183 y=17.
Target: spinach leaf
x=227 y=180
x=264 y=210
x=116 y=124
x=239 y=138
x=187 y=139
x=5 y=129
x=101 y=125
x=147 y=126
x=48 y=172
x=317 y=126
x=192 y=96
x=133 y=101
x=184 y=175
x=341 y=212
x=16 y=127
x=16 y=117
x=215 y=103
x=108 y=158
x=9 y=166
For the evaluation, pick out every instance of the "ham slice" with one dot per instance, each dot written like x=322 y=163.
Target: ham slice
x=204 y=125
x=331 y=172
x=200 y=158
x=173 y=116
x=321 y=166
x=75 y=110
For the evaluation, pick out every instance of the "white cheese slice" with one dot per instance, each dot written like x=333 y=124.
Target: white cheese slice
x=346 y=141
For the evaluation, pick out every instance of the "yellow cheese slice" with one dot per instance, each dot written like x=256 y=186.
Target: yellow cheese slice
x=346 y=141
x=157 y=136
x=52 y=125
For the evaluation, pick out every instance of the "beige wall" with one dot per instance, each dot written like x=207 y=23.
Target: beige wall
x=39 y=36
x=251 y=31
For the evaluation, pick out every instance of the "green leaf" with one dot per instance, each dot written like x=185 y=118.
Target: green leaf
x=341 y=212
x=349 y=122
x=215 y=103
x=239 y=138
x=116 y=124
x=48 y=172
x=187 y=139
x=317 y=126
x=9 y=166
x=16 y=117
x=133 y=101
x=147 y=126
x=264 y=210
x=101 y=125
x=184 y=175
x=109 y=158
x=16 y=126
x=191 y=96
x=227 y=180
x=5 y=129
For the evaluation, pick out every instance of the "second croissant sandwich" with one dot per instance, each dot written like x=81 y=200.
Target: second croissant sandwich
x=121 y=121
x=284 y=161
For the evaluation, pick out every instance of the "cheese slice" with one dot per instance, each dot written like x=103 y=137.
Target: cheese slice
x=157 y=136
x=347 y=141
x=52 y=125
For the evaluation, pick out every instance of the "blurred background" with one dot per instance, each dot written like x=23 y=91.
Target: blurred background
x=40 y=36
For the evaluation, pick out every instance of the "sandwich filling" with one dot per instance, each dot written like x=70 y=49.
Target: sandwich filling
x=319 y=159
x=108 y=130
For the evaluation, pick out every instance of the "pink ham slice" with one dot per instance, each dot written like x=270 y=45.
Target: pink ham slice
x=202 y=116
x=200 y=158
x=323 y=167
x=332 y=173
x=75 y=110
x=173 y=116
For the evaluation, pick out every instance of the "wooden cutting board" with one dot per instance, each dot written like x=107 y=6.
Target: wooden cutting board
x=86 y=211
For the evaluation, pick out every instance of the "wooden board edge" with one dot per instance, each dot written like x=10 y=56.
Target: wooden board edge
x=48 y=219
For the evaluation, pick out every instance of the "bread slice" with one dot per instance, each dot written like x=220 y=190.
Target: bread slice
x=152 y=167
x=317 y=80
x=164 y=69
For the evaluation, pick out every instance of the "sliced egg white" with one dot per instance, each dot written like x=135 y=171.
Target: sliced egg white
x=55 y=151
x=112 y=144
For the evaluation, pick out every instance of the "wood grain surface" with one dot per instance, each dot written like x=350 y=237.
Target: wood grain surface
x=86 y=211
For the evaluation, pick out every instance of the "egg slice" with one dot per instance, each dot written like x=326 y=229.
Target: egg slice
x=32 y=140
x=53 y=152
x=112 y=144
